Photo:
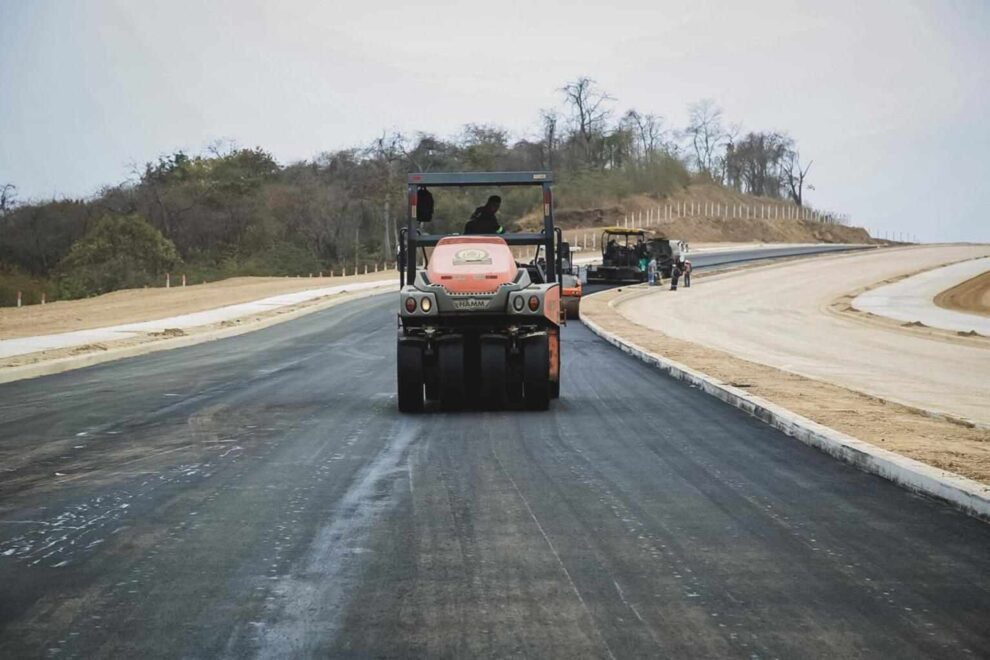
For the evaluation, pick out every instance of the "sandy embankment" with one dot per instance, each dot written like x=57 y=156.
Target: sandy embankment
x=772 y=331
x=708 y=213
x=972 y=296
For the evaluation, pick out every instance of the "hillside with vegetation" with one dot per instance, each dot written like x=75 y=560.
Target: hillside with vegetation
x=233 y=211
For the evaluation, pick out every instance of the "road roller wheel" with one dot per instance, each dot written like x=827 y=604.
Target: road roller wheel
x=494 y=357
x=572 y=306
x=410 y=377
x=432 y=389
x=536 y=372
x=450 y=364
x=431 y=379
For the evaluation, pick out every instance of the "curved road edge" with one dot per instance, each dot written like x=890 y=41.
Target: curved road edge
x=965 y=494
x=912 y=300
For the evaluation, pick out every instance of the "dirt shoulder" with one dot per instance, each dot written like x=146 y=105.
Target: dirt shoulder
x=780 y=316
x=937 y=441
x=972 y=296
x=136 y=305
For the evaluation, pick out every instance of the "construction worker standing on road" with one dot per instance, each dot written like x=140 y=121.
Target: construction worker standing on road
x=681 y=267
x=483 y=220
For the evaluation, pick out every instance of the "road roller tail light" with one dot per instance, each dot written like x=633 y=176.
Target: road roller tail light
x=410 y=304
x=534 y=303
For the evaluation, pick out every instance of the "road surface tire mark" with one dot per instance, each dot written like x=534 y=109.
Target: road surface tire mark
x=315 y=596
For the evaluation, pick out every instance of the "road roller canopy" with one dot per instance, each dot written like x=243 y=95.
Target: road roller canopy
x=431 y=179
x=416 y=237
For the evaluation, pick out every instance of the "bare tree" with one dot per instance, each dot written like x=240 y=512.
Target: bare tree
x=430 y=152
x=8 y=197
x=649 y=133
x=794 y=175
x=222 y=147
x=549 y=120
x=589 y=111
x=707 y=136
x=386 y=151
x=755 y=163
x=731 y=166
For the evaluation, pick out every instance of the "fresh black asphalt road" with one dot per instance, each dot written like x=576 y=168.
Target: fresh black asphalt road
x=261 y=496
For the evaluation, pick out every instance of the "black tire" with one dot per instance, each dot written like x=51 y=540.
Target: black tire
x=450 y=363
x=410 y=377
x=432 y=383
x=572 y=307
x=514 y=392
x=536 y=372
x=494 y=363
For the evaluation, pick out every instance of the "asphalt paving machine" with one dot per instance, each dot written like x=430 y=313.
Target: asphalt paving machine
x=626 y=252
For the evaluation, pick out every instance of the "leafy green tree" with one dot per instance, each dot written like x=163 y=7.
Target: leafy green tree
x=118 y=252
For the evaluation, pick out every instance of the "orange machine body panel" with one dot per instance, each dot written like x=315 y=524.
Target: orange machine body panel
x=471 y=264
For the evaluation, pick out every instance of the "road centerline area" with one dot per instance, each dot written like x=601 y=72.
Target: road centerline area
x=281 y=506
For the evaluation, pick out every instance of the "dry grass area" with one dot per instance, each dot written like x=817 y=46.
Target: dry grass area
x=135 y=305
x=937 y=441
x=971 y=296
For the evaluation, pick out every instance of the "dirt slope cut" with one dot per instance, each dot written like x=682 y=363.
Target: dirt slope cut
x=972 y=296
x=703 y=207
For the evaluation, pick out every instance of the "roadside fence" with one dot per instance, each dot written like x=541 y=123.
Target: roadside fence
x=664 y=214
x=655 y=216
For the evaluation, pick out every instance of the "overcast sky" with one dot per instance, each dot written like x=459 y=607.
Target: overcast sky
x=890 y=99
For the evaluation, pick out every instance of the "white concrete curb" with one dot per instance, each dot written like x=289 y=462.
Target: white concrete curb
x=965 y=494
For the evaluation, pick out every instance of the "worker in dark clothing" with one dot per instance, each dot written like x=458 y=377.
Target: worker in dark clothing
x=681 y=267
x=483 y=220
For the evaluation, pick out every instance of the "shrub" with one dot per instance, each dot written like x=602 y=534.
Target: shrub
x=118 y=252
